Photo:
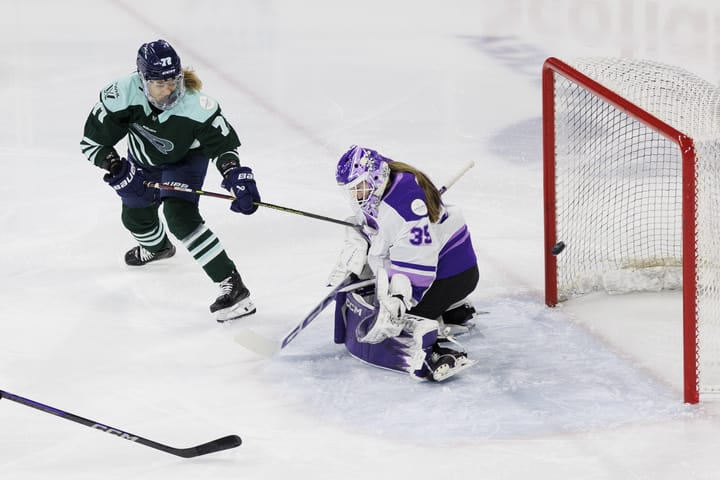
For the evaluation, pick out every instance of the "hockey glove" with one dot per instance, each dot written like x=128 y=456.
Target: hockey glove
x=394 y=301
x=241 y=182
x=352 y=258
x=127 y=180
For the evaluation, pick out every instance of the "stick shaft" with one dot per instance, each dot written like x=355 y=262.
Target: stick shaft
x=349 y=283
x=457 y=176
x=268 y=347
x=162 y=186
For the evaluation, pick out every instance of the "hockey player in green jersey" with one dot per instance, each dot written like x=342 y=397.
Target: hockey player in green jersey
x=173 y=132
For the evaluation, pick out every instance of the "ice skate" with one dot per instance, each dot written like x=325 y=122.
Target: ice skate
x=446 y=362
x=234 y=300
x=138 y=256
x=456 y=321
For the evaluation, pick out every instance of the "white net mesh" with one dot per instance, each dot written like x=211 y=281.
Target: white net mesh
x=619 y=189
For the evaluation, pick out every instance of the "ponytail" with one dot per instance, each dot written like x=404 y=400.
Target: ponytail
x=191 y=80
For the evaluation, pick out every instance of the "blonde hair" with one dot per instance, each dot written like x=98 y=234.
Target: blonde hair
x=432 y=194
x=191 y=80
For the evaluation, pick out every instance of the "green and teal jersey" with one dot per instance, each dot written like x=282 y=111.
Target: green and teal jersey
x=154 y=137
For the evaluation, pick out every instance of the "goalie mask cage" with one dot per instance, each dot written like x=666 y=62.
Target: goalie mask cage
x=631 y=154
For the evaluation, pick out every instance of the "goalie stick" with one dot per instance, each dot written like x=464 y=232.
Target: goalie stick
x=224 y=443
x=267 y=347
x=456 y=177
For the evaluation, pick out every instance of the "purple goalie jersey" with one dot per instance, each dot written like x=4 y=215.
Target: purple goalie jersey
x=407 y=242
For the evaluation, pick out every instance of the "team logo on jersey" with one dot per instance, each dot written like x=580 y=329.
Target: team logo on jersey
x=111 y=91
x=418 y=207
x=207 y=103
x=163 y=145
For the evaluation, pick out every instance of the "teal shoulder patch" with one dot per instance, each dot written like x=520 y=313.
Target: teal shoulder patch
x=194 y=105
x=123 y=93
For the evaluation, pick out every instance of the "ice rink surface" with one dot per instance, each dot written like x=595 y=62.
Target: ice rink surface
x=589 y=390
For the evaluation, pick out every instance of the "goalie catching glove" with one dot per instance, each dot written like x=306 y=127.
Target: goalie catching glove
x=352 y=258
x=395 y=299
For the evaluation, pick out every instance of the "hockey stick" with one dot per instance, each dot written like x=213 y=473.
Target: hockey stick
x=224 y=443
x=267 y=347
x=162 y=186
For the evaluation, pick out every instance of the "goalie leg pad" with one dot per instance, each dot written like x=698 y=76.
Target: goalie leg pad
x=408 y=352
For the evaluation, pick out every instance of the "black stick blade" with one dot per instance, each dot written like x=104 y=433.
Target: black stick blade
x=224 y=443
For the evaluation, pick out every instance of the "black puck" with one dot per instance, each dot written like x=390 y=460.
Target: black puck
x=558 y=248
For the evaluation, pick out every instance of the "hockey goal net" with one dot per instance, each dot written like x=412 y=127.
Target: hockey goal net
x=632 y=192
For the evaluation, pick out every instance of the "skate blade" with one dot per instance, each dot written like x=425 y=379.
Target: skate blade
x=239 y=310
x=445 y=372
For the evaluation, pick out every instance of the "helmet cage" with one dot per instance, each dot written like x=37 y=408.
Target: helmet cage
x=169 y=101
x=363 y=174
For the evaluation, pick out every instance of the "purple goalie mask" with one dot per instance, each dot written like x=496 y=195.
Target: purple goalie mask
x=364 y=174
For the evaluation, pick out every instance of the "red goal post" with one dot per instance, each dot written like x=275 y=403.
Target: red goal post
x=631 y=153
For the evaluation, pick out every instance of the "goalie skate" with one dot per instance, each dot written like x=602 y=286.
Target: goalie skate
x=457 y=320
x=445 y=363
x=452 y=330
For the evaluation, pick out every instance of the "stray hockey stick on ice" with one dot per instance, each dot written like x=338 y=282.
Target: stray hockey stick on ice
x=162 y=186
x=267 y=347
x=224 y=443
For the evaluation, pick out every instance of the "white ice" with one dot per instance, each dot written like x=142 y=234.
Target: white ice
x=589 y=390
